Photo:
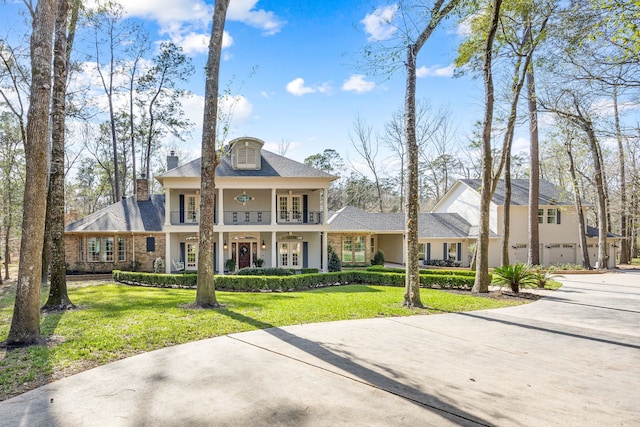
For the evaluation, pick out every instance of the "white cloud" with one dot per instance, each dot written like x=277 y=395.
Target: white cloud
x=379 y=23
x=296 y=87
x=243 y=11
x=187 y=22
x=357 y=83
x=464 y=27
x=435 y=71
x=236 y=107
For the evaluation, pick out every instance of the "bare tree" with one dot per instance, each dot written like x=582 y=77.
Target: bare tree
x=361 y=140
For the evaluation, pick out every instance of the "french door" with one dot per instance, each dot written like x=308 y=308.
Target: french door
x=290 y=254
x=290 y=208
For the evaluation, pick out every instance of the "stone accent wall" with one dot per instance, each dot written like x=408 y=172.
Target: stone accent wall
x=143 y=259
x=335 y=241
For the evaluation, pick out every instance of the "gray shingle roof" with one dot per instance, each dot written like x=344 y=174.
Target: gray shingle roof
x=595 y=232
x=273 y=165
x=125 y=215
x=430 y=225
x=549 y=193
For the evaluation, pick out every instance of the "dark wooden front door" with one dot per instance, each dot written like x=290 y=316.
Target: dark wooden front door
x=244 y=255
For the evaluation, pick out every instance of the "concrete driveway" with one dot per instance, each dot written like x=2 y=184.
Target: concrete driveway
x=571 y=359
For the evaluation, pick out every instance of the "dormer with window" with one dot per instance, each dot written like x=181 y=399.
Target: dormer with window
x=245 y=153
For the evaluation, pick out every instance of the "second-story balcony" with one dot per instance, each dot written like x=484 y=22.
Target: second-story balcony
x=249 y=217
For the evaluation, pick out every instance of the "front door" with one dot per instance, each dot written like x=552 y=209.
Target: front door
x=244 y=255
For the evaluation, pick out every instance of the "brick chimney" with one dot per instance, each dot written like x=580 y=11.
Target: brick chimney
x=142 y=189
x=172 y=161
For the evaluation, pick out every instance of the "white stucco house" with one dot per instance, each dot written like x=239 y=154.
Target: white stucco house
x=557 y=222
x=270 y=210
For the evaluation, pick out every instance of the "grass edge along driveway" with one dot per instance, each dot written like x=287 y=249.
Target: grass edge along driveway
x=115 y=321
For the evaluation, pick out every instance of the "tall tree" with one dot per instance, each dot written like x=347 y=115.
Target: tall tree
x=58 y=295
x=25 y=324
x=481 y=283
x=206 y=291
x=438 y=11
x=163 y=111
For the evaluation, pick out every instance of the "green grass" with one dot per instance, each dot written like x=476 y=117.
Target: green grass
x=116 y=321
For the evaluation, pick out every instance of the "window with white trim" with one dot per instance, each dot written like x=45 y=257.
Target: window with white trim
x=100 y=249
x=347 y=249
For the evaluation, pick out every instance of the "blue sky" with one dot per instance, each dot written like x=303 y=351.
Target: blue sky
x=306 y=88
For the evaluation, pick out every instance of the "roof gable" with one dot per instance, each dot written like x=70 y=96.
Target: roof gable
x=549 y=193
x=272 y=165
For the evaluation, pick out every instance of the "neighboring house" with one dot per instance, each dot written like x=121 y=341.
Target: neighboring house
x=557 y=219
x=267 y=208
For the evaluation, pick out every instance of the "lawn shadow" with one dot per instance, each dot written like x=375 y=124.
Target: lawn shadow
x=387 y=382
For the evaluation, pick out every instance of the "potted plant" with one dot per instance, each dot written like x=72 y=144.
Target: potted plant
x=259 y=262
x=230 y=265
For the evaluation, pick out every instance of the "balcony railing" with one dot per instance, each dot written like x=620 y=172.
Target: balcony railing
x=185 y=218
x=292 y=217
x=247 y=217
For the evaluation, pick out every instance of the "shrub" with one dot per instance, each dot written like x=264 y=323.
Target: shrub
x=334 y=261
x=542 y=277
x=230 y=265
x=248 y=271
x=378 y=258
x=514 y=275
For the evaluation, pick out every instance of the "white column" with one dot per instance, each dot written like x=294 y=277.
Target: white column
x=220 y=206
x=220 y=253
x=167 y=207
x=274 y=250
x=274 y=202
x=325 y=252
x=325 y=203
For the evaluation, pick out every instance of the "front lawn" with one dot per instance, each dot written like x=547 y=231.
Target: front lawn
x=115 y=321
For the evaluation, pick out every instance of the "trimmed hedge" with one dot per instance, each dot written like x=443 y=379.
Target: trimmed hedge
x=294 y=282
x=249 y=271
x=380 y=268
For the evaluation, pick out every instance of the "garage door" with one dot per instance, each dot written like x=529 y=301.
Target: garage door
x=564 y=253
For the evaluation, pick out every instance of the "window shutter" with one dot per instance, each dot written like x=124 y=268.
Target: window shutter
x=459 y=252
x=428 y=251
x=182 y=251
x=305 y=254
x=445 y=255
x=305 y=209
x=558 y=216
x=151 y=244
x=182 y=209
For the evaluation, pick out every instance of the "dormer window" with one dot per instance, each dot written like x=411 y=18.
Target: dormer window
x=246 y=157
x=245 y=153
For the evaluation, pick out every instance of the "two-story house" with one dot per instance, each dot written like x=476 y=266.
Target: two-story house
x=557 y=222
x=268 y=209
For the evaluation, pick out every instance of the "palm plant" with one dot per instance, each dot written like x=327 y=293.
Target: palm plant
x=515 y=276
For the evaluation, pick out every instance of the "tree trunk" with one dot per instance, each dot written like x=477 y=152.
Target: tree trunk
x=25 y=324
x=481 y=283
x=624 y=243
x=412 y=277
x=507 y=210
x=533 y=251
x=206 y=291
x=586 y=263
x=58 y=295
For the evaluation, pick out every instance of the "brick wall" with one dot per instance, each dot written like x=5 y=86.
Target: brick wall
x=144 y=260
